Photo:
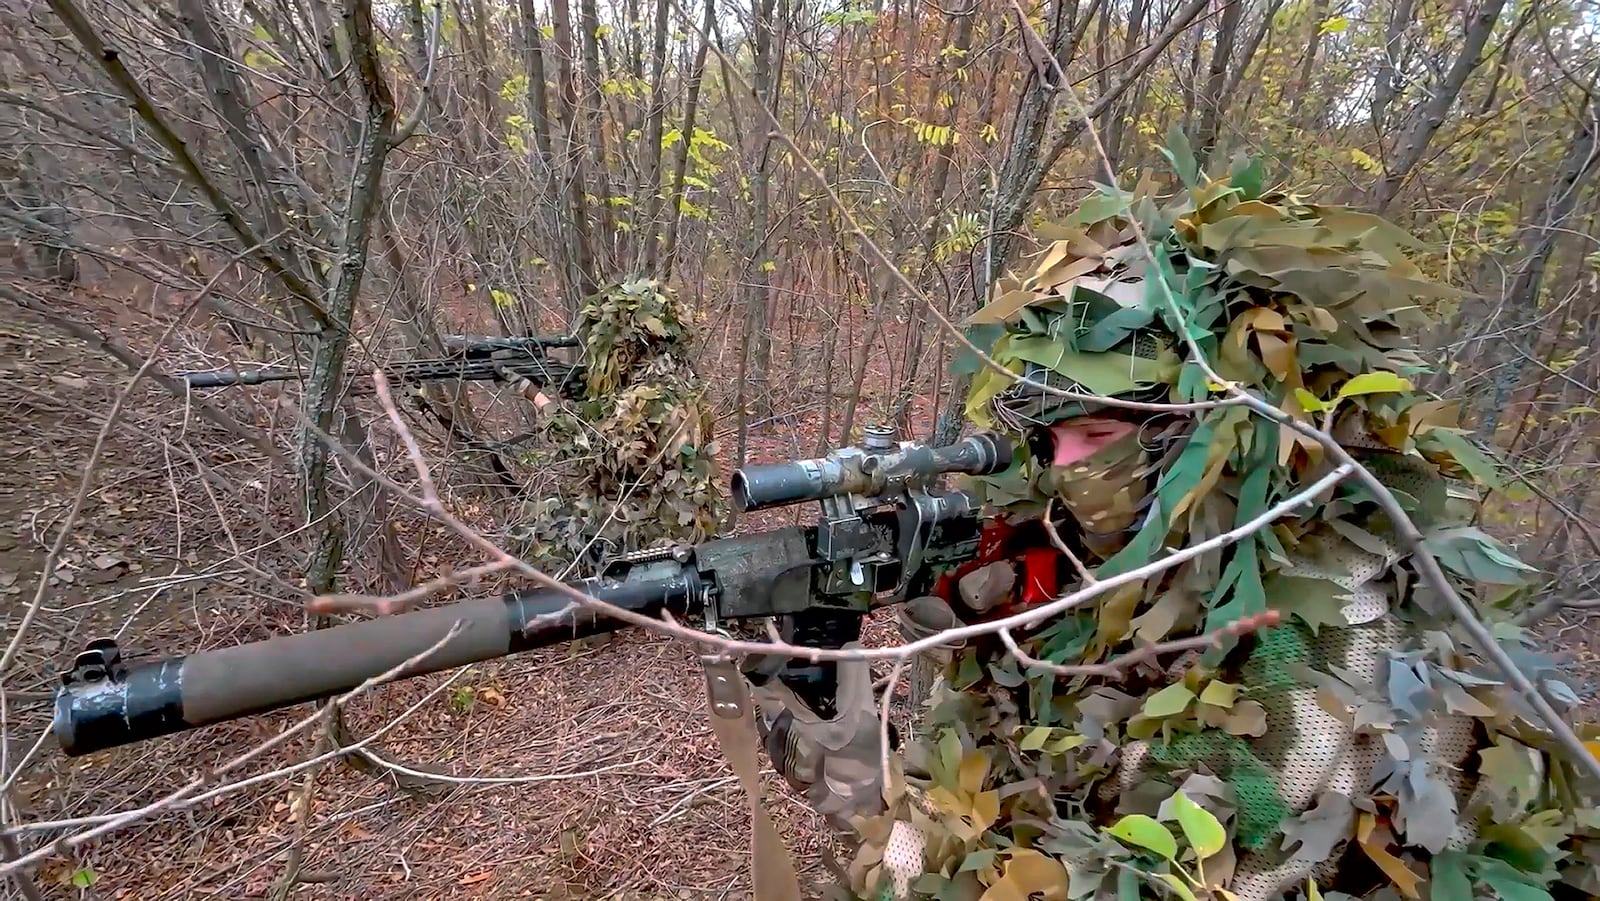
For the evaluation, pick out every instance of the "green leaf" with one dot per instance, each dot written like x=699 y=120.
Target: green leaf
x=1317 y=602
x=1205 y=834
x=1249 y=176
x=982 y=337
x=1310 y=402
x=1374 y=383
x=1065 y=743
x=1177 y=885
x=1035 y=738
x=1099 y=206
x=1474 y=461
x=1471 y=553
x=1510 y=884
x=83 y=877
x=977 y=860
x=1219 y=694
x=1145 y=832
x=1113 y=328
x=1512 y=779
x=1450 y=881
x=1169 y=701
x=1181 y=155
x=1099 y=373
x=968 y=672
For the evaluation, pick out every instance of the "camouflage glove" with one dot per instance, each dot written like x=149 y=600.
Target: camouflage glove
x=835 y=764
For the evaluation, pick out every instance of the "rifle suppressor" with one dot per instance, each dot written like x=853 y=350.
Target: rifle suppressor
x=106 y=702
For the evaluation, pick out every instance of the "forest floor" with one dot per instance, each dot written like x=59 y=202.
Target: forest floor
x=607 y=783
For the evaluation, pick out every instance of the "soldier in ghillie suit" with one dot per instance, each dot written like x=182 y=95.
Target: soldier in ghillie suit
x=1293 y=713
x=633 y=457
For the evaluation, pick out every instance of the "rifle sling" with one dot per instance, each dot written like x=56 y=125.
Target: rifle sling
x=728 y=699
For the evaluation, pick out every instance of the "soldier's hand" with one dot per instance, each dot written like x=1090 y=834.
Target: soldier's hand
x=504 y=362
x=835 y=764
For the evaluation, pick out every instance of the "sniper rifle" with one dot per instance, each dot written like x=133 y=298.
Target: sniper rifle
x=888 y=532
x=469 y=358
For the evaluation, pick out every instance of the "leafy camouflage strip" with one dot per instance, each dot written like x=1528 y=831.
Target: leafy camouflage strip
x=1361 y=743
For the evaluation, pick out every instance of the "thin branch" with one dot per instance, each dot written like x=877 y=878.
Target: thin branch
x=883 y=721
x=1115 y=667
x=409 y=124
x=323 y=605
x=1055 y=539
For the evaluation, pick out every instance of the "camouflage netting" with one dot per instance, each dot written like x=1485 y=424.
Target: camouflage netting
x=633 y=460
x=1361 y=747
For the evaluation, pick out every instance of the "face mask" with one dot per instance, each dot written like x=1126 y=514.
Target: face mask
x=1097 y=470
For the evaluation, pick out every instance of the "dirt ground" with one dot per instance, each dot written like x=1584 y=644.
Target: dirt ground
x=584 y=772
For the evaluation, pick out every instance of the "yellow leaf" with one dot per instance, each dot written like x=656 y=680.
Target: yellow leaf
x=1335 y=25
x=1364 y=160
x=1374 y=383
x=1116 y=612
x=1026 y=873
x=1219 y=693
x=1594 y=748
x=1373 y=844
x=974 y=767
x=985 y=809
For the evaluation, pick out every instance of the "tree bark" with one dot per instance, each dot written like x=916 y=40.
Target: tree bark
x=1214 y=101
x=343 y=286
x=1434 y=110
x=1547 y=225
x=680 y=166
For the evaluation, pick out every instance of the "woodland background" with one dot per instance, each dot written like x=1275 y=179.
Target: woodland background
x=335 y=185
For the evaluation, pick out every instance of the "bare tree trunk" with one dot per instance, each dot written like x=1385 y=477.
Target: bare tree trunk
x=651 y=190
x=1245 y=59
x=1549 y=220
x=591 y=106
x=1414 y=144
x=1214 y=102
x=325 y=379
x=680 y=166
x=580 y=259
x=1386 y=82
x=759 y=347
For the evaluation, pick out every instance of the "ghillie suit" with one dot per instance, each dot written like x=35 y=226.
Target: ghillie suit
x=1361 y=744
x=633 y=458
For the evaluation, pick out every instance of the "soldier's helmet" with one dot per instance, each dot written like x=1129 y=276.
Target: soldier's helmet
x=1312 y=308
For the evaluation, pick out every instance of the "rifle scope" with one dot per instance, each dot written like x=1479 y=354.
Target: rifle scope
x=870 y=470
